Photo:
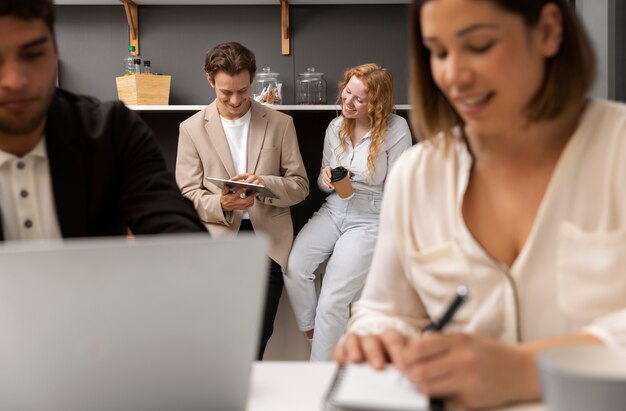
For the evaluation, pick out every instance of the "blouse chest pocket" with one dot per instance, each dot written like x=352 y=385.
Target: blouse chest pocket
x=590 y=271
x=436 y=272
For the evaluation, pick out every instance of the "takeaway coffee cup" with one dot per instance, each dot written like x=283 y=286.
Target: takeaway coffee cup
x=340 y=178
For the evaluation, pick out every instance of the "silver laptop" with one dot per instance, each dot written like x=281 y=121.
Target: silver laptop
x=162 y=324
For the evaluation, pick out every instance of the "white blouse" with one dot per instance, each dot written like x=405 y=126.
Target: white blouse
x=570 y=276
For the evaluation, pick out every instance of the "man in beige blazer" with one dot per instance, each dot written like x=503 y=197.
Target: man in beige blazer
x=239 y=139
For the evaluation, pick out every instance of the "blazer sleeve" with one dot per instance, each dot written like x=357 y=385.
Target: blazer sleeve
x=292 y=186
x=150 y=201
x=190 y=178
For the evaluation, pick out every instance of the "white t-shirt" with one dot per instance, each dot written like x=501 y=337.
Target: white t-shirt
x=237 y=136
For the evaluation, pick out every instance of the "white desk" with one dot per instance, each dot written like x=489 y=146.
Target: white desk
x=286 y=386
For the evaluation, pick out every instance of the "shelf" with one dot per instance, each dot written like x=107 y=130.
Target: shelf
x=225 y=2
x=322 y=107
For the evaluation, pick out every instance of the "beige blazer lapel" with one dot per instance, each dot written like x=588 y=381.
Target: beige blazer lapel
x=217 y=138
x=256 y=136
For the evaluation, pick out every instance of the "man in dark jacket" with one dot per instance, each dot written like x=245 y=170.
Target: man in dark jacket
x=70 y=166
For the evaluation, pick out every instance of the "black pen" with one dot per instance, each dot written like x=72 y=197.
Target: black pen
x=462 y=292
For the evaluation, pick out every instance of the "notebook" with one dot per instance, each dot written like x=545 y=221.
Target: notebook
x=361 y=387
x=165 y=323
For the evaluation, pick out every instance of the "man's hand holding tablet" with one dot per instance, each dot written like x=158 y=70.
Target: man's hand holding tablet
x=239 y=192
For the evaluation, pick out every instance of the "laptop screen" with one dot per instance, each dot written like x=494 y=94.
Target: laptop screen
x=163 y=323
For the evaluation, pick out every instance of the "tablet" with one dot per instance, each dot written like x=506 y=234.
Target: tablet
x=250 y=188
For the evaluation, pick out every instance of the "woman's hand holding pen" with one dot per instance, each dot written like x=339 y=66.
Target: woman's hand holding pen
x=465 y=368
x=462 y=368
x=459 y=367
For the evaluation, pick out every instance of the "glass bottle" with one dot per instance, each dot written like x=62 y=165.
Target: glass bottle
x=311 y=87
x=266 y=88
x=146 y=67
x=137 y=66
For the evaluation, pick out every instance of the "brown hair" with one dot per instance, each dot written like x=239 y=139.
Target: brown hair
x=568 y=75
x=378 y=82
x=30 y=10
x=231 y=58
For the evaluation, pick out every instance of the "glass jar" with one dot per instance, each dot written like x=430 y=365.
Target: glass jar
x=311 y=87
x=266 y=88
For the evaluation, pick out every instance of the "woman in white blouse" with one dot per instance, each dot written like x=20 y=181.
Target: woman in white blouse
x=366 y=140
x=517 y=191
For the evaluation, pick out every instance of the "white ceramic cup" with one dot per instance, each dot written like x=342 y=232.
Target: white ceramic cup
x=583 y=378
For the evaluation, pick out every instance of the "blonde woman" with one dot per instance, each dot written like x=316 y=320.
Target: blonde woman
x=366 y=140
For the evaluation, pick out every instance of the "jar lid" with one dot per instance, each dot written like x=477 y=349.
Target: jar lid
x=310 y=72
x=266 y=73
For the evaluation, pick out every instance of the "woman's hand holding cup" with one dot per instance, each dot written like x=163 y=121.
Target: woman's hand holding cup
x=340 y=180
x=326 y=174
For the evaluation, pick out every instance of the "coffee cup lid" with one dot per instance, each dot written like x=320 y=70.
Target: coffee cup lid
x=338 y=173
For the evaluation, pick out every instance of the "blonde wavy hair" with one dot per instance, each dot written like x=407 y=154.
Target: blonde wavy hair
x=378 y=82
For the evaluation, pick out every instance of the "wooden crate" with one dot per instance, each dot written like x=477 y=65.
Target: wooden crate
x=144 y=89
